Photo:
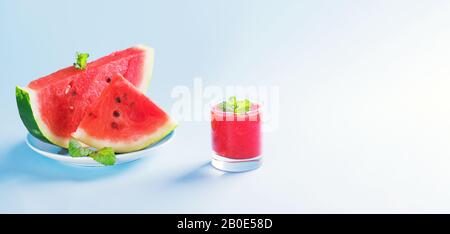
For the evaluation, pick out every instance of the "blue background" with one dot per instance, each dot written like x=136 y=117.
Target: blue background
x=364 y=92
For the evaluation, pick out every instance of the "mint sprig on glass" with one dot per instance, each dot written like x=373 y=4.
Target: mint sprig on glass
x=235 y=106
x=105 y=156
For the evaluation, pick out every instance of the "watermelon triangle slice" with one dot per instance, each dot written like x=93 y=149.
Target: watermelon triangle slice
x=52 y=107
x=123 y=118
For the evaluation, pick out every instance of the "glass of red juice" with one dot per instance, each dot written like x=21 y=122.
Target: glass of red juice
x=236 y=137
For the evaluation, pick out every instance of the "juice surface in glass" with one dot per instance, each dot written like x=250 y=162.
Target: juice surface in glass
x=236 y=136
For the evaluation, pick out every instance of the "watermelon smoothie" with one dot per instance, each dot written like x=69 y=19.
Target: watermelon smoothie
x=236 y=138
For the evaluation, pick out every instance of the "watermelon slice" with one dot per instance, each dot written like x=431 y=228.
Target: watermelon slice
x=52 y=107
x=123 y=118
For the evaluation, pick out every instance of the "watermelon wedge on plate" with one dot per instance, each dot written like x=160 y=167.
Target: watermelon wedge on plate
x=53 y=106
x=123 y=118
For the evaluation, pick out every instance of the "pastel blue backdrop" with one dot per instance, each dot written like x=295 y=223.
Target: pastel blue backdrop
x=364 y=92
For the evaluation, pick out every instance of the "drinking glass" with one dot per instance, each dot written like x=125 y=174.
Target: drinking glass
x=236 y=139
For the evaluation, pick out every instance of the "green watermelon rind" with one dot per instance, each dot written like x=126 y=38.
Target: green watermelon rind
x=27 y=115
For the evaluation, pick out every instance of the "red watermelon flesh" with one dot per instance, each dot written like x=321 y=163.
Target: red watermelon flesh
x=63 y=97
x=131 y=63
x=123 y=118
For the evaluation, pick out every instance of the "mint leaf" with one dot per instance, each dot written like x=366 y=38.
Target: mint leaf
x=226 y=107
x=105 y=156
x=233 y=105
x=77 y=150
x=232 y=101
x=81 y=61
x=242 y=107
x=222 y=106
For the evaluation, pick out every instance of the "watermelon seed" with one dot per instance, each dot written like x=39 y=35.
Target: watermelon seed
x=118 y=100
x=108 y=79
x=69 y=86
x=67 y=89
x=116 y=114
x=74 y=93
x=114 y=125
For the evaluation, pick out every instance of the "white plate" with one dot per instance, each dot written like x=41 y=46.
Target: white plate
x=60 y=154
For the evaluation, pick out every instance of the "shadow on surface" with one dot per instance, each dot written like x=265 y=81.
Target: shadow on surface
x=21 y=163
x=204 y=172
x=201 y=172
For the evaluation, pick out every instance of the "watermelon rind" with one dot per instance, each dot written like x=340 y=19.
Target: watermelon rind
x=148 y=67
x=30 y=116
x=128 y=146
